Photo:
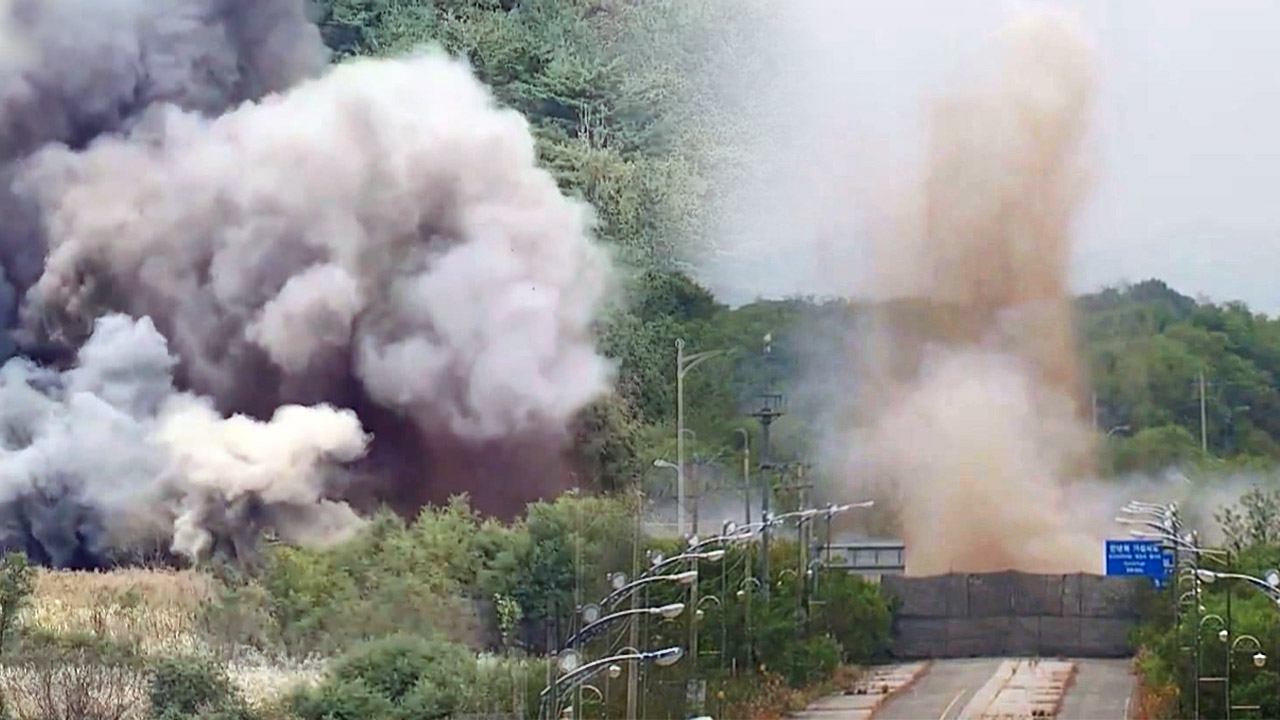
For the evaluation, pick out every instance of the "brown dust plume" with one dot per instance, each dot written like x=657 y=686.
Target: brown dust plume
x=970 y=423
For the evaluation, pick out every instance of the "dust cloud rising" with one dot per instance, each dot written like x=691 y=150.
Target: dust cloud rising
x=970 y=425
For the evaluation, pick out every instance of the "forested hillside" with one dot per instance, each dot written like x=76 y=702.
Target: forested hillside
x=1148 y=346
x=627 y=101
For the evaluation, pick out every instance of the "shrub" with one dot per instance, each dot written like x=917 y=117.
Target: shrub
x=856 y=614
x=340 y=700
x=187 y=686
x=813 y=660
x=395 y=666
x=419 y=678
x=16 y=582
x=406 y=677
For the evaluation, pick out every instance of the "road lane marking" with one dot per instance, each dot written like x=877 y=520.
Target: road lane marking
x=954 y=700
x=1126 y=706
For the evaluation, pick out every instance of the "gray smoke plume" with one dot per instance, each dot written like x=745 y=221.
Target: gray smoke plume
x=74 y=70
x=108 y=456
x=376 y=237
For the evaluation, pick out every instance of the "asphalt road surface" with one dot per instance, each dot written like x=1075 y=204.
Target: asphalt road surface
x=1102 y=691
x=941 y=692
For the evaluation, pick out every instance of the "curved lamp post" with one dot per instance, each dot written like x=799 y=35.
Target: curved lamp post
x=550 y=697
x=1157 y=521
x=623 y=589
x=658 y=565
x=684 y=363
x=746 y=589
x=1259 y=660
x=664 y=611
x=1184 y=544
x=661 y=563
x=1268 y=585
x=1223 y=634
x=697 y=618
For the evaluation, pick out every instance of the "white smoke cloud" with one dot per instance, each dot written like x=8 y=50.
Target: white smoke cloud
x=113 y=441
x=221 y=465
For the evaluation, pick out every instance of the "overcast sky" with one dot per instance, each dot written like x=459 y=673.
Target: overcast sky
x=1186 y=140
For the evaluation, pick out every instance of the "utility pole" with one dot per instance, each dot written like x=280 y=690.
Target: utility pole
x=802 y=539
x=746 y=474
x=680 y=437
x=1204 y=431
x=770 y=410
x=633 y=632
x=695 y=491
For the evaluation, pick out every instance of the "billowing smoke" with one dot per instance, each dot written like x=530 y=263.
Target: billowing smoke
x=969 y=425
x=106 y=457
x=211 y=232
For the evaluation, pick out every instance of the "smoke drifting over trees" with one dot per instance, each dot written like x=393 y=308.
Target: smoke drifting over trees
x=201 y=220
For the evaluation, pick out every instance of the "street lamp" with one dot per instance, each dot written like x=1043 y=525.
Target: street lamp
x=693 y=629
x=623 y=589
x=1259 y=660
x=661 y=563
x=658 y=564
x=1180 y=543
x=1223 y=636
x=1269 y=585
x=667 y=612
x=683 y=365
x=572 y=678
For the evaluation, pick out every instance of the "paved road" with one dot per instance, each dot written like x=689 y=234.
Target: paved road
x=941 y=692
x=1103 y=690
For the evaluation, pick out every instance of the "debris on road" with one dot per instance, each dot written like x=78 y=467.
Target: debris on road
x=867 y=695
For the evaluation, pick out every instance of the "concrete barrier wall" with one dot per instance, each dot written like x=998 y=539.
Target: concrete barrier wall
x=1013 y=613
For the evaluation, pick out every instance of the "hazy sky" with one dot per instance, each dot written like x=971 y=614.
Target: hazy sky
x=1186 y=141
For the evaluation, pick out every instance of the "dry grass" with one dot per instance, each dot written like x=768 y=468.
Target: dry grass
x=159 y=588
x=158 y=612
x=155 y=611
x=263 y=684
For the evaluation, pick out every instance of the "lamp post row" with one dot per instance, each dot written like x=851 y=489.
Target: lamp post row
x=662 y=569
x=596 y=617
x=1163 y=523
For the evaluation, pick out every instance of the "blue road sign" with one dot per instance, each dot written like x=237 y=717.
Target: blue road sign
x=1141 y=558
x=1170 y=565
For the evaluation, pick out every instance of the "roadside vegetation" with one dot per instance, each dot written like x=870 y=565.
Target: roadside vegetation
x=1167 y=662
x=444 y=616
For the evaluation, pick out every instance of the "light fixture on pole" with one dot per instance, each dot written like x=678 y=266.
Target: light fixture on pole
x=549 y=698
x=684 y=363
